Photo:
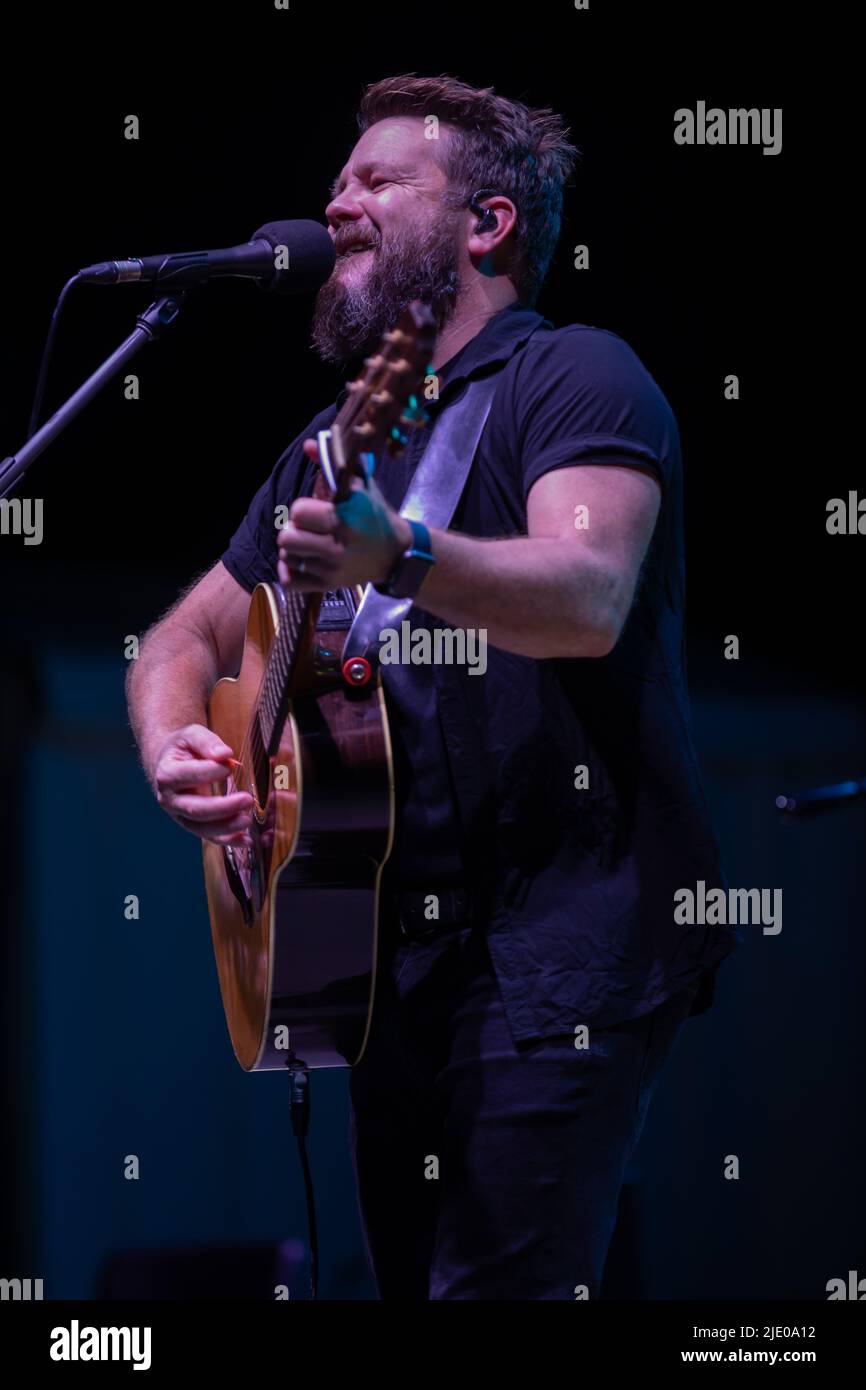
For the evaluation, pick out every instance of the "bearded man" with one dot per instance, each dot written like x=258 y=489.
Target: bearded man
x=551 y=807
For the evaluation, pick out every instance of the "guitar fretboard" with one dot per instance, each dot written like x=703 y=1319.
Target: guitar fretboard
x=274 y=696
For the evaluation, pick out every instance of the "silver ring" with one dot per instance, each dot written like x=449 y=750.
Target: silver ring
x=300 y=567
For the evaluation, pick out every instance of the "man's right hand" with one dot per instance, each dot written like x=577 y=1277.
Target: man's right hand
x=188 y=763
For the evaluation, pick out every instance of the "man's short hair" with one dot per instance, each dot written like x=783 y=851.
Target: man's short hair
x=493 y=143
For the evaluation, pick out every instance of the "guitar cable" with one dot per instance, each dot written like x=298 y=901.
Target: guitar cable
x=299 y=1080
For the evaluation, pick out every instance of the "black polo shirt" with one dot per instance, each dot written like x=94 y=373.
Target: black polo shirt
x=575 y=882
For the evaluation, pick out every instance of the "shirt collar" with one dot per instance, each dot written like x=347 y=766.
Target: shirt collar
x=498 y=340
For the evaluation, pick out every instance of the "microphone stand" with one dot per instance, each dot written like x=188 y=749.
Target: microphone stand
x=149 y=326
x=817 y=799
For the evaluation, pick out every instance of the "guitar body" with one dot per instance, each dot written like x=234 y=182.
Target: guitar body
x=294 y=921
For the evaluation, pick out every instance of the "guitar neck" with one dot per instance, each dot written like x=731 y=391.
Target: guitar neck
x=298 y=615
x=369 y=418
x=297 y=618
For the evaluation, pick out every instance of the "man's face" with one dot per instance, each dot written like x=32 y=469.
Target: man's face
x=395 y=241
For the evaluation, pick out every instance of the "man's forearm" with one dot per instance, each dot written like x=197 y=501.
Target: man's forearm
x=535 y=596
x=168 y=686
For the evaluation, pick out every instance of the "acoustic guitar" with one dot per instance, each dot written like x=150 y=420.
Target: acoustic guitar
x=294 y=917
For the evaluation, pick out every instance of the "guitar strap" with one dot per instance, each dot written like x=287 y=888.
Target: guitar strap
x=432 y=497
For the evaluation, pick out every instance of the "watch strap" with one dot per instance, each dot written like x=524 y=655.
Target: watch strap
x=410 y=568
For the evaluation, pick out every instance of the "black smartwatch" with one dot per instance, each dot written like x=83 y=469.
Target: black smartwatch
x=412 y=567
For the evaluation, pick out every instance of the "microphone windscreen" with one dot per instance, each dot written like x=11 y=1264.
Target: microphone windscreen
x=310 y=256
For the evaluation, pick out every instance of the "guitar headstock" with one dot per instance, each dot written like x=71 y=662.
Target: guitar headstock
x=384 y=400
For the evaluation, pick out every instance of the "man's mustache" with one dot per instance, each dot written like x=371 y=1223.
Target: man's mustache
x=342 y=245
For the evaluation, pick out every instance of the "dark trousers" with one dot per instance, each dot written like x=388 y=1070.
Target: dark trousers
x=487 y=1170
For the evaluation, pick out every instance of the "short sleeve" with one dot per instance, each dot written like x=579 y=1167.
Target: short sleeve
x=581 y=395
x=251 y=554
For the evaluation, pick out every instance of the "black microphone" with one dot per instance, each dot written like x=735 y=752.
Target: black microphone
x=290 y=257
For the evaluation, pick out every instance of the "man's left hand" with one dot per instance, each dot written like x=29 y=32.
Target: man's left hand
x=324 y=546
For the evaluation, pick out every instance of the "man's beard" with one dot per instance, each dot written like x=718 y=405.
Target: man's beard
x=350 y=319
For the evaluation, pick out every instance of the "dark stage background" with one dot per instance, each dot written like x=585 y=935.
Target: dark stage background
x=703 y=260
